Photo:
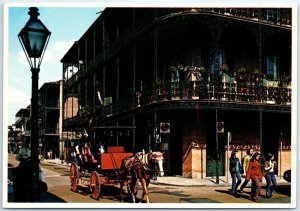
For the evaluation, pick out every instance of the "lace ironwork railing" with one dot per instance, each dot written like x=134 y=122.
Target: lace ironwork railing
x=240 y=88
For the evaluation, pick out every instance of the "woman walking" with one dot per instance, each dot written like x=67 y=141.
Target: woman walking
x=245 y=163
x=235 y=171
x=269 y=175
x=254 y=173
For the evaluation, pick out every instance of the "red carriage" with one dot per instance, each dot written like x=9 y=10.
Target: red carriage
x=115 y=167
x=97 y=173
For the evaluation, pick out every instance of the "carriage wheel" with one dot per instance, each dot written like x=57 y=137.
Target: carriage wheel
x=74 y=176
x=95 y=185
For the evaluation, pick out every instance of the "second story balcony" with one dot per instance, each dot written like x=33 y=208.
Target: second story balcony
x=195 y=85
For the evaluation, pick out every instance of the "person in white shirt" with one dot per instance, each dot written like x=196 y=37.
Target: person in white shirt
x=269 y=175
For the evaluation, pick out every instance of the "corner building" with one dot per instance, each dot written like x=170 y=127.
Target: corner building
x=195 y=83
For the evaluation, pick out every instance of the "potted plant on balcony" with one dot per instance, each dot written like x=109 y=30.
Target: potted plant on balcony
x=176 y=72
x=223 y=69
x=185 y=75
x=256 y=72
x=285 y=81
x=240 y=73
x=195 y=74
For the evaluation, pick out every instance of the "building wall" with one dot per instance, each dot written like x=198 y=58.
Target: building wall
x=285 y=163
x=196 y=146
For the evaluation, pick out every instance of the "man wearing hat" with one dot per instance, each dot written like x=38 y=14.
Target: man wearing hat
x=24 y=154
x=23 y=177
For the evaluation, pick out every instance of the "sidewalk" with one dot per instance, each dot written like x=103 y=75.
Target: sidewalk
x=186 y=182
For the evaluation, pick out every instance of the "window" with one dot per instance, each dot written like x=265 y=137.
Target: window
x=218 y=60
x=272 y=67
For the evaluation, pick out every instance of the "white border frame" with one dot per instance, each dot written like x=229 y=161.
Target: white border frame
x=294 y=112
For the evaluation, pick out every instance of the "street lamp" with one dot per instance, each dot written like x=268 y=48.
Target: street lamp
x=34 y=38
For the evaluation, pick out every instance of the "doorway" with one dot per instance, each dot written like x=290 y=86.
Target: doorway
x=211 y=151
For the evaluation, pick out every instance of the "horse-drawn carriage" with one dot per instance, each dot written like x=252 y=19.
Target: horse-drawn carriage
x=115 y=167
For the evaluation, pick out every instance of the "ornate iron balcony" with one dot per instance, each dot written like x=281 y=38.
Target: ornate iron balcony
x=247 y=87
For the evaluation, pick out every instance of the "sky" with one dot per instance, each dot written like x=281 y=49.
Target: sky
x=67 y=24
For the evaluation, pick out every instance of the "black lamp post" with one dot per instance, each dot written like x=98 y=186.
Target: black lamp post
x=34 y=38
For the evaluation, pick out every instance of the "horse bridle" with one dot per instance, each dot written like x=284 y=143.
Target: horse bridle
x=156 y=165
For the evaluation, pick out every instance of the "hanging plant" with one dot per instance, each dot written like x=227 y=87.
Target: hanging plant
x=173 y=68
x=223 y=68
x=195 y=69
x=242 y=70
x=256 y=71
x=285 y=81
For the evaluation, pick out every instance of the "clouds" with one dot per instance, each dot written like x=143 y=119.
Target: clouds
x=56 y=51
x=16 y=96
x=16 y=99
x=53 y=53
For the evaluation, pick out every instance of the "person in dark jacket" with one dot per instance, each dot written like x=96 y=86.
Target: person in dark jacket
x=235 y=171
x=23 y=177
x=254 y=173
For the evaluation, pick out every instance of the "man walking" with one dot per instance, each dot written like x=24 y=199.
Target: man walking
x=245 y=164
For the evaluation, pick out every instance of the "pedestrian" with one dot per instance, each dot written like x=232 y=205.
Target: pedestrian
x=23 y=177
x=245 y=164
x=50 y=154
x=235 y=171
x=254 y=173
x=270 y=175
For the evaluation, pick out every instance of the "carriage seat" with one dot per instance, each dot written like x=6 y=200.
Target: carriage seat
x=88 y=157
x=114 y=149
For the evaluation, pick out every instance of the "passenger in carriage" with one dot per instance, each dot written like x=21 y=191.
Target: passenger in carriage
x=101 y=148
x=89 y=157
x=78 y=156
x=73 y=156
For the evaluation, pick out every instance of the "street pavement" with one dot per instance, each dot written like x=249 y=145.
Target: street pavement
x=167 y=189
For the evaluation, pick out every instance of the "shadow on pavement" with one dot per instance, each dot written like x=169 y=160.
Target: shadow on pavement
x=284 y=189
x=49 y=197
x=197 y=200
x=45 y=197
x=107 y=192
x=244 y=195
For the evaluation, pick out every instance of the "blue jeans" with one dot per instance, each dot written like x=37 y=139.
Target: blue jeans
x=270 y=178
x=235 y=177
